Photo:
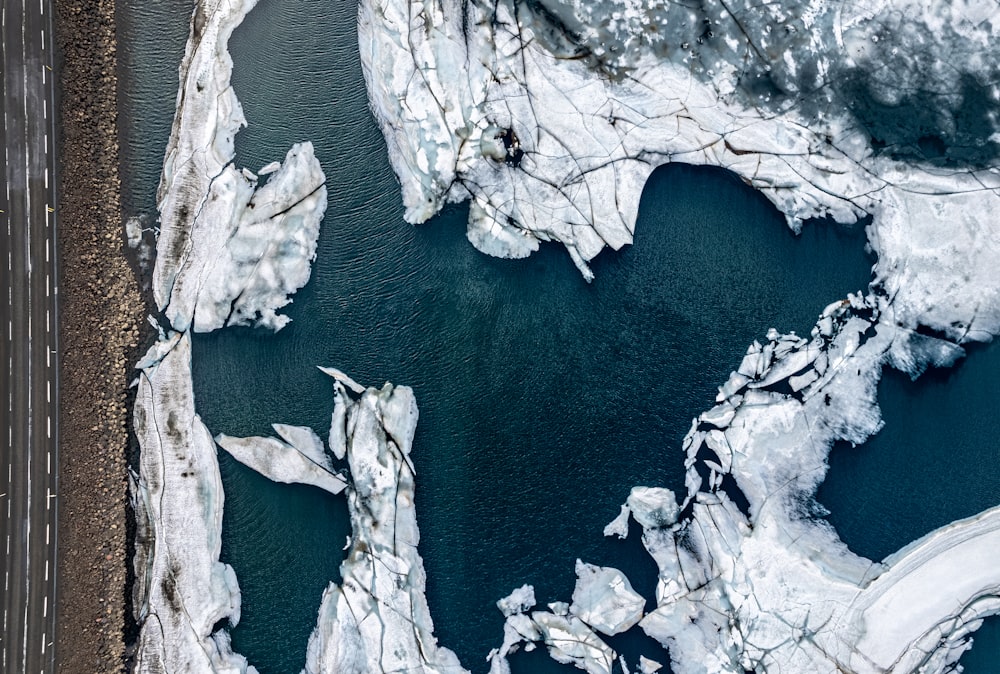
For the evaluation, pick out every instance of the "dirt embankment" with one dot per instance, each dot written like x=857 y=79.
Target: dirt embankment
x=101 y=310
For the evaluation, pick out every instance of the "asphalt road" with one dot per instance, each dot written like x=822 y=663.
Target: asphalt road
x=28 y=460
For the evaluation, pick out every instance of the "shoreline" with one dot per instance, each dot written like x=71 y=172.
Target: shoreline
x=99 y=331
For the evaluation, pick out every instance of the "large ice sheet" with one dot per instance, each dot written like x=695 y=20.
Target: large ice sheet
x=557 y=128
x=772 y=588
x=568 y=638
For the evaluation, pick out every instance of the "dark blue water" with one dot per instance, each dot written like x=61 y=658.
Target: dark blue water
x=933 y=463
x=543 y=399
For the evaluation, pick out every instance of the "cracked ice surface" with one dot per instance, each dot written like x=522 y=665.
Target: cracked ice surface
x=549 y=116
x=569 y=640
x=182 y=590
x=605 y=600
x=377 y=619
x=228 y=253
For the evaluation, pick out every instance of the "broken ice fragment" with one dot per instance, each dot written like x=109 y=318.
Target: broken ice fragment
x=605 y=600
x=283 y=462
x=518 y=601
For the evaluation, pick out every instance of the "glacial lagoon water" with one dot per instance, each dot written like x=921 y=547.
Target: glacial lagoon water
x=543 y=399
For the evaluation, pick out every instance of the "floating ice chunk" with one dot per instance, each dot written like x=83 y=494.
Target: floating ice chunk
x=653 y=507
x=604 y=599
x=338 y=422
x=619 y=525
x=246 y=272
x=283 y=462
x=343 y=379
x=517 y=629
x=133 y=231
x=571 y=642
x=518 y=601
x=377 y=619
x=269 y=168
x=559 y=607
x=647 y=666
x=719 y=416
x=228 y=254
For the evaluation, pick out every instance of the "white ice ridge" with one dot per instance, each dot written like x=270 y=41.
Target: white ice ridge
x=228 y=253
x=298 y=457
x=182 y=590
x=377 y=619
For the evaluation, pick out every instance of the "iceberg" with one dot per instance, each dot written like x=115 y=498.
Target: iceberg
x=605 y=600
x=749 y=578
x=647 y=666
x=548 y=119
x=569 y=640
x=228 y=252
x=259 y=253
x=288 y=460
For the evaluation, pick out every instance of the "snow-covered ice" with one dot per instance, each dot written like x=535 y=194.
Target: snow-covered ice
x=182 y=591
x=604 y=599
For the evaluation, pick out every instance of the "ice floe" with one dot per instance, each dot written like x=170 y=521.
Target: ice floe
x=605 y=600
x=284 y=460
x=376 y=619
x=228 y=252
x=568 y=639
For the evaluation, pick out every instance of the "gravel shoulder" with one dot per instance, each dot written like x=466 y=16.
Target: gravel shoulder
x=99 y=330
